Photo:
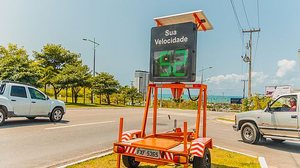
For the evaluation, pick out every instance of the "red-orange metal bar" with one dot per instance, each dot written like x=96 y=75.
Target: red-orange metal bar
x=148 y=99
x=199 y=113
x=155 y=110
x=185 y=136
x=199 y=21
x=119 y=140
x=158 y=23
x=204 y=112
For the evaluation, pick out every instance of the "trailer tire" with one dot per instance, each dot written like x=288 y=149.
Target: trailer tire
x=202 y=162
x=130 y=162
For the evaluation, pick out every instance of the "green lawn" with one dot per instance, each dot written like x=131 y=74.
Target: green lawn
x=226 y=119
x=220 y=159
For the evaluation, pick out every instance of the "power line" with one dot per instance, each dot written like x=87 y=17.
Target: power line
x=238 y=24
x=246 y=14
x=236 y=16
x=257 y=4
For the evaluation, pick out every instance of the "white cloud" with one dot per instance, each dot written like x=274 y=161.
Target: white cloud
x=257 y=77
x=228 y=77
x=285 y=66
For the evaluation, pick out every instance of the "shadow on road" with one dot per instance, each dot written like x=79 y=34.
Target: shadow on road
x=26 y=122
x=287 y=146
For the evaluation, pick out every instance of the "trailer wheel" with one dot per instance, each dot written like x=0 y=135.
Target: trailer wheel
x=130 y=162
x=203 y=162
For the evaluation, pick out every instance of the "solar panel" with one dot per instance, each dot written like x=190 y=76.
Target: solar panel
x=198 y=17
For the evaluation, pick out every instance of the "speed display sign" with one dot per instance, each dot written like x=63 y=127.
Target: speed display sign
x=173 y=53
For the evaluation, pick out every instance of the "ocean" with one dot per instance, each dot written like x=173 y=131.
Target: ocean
x=210 y=98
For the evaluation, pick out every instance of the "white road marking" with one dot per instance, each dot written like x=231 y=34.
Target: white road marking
x=77 y=125
x=262 y=162
x=230 y=150
x=158 y=117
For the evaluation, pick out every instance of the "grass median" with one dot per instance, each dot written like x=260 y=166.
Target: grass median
x=220 y=159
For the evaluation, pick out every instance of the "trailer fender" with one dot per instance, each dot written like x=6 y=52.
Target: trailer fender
x=198 y=146
x=132 y=134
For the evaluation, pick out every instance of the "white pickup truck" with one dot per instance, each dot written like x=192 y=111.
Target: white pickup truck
x=279 y=121
x=20 y=100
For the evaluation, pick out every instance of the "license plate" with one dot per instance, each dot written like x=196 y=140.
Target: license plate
x=147 y=153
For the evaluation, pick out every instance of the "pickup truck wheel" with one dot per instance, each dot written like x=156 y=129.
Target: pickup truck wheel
x=56 y=115
x=2 y=116
x=250 y=133
x=278 y=140
x=204 y=162
x=130 y=162
x=30 y=118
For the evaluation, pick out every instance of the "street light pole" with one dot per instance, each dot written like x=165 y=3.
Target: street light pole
x=202 y=73
x=94 y=69
x=94 y=62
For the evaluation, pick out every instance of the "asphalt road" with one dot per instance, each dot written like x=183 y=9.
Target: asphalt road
x=86 y=132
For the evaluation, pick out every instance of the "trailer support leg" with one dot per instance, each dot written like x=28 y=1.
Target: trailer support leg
x=119 y=140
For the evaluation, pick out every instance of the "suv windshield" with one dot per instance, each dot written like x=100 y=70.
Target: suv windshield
x=2 y=88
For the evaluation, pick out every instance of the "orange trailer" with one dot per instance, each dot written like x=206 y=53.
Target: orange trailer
x=180 y=146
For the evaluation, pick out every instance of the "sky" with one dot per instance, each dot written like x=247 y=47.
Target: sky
x=122 y=28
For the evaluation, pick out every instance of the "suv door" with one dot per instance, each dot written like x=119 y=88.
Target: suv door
x=19 y=100
x=285 y=113
x=40 y=104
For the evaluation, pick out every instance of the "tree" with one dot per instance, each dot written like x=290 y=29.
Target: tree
x=74 y=76
x=53 y=58
x=16 y=66
x=123 y=93
x=105 y=83
x=134 y=95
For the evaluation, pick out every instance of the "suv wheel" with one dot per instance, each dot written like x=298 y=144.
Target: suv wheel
x=250 y=133
x=2 y=116
x=57 y=114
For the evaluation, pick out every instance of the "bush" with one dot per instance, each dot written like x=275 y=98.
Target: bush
x=256 y=102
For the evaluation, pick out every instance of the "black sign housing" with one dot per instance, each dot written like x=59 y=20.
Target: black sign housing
x=173 y=53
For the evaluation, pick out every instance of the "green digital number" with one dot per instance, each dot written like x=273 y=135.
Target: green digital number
x=164 y=60
x=180 y=63
x=169 y=64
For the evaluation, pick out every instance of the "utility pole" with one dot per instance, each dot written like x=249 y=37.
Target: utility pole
x=249 y=59
x=244 y=89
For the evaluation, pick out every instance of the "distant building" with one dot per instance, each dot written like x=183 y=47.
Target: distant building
x=141 y=81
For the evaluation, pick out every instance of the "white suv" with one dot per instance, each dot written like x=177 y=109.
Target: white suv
x=20 y=100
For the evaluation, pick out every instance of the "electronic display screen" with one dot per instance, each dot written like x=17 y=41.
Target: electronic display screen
x=173 y=53
x=171 y=63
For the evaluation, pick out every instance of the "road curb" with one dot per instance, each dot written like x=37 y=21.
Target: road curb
x=101 y=154
x=261 y=160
